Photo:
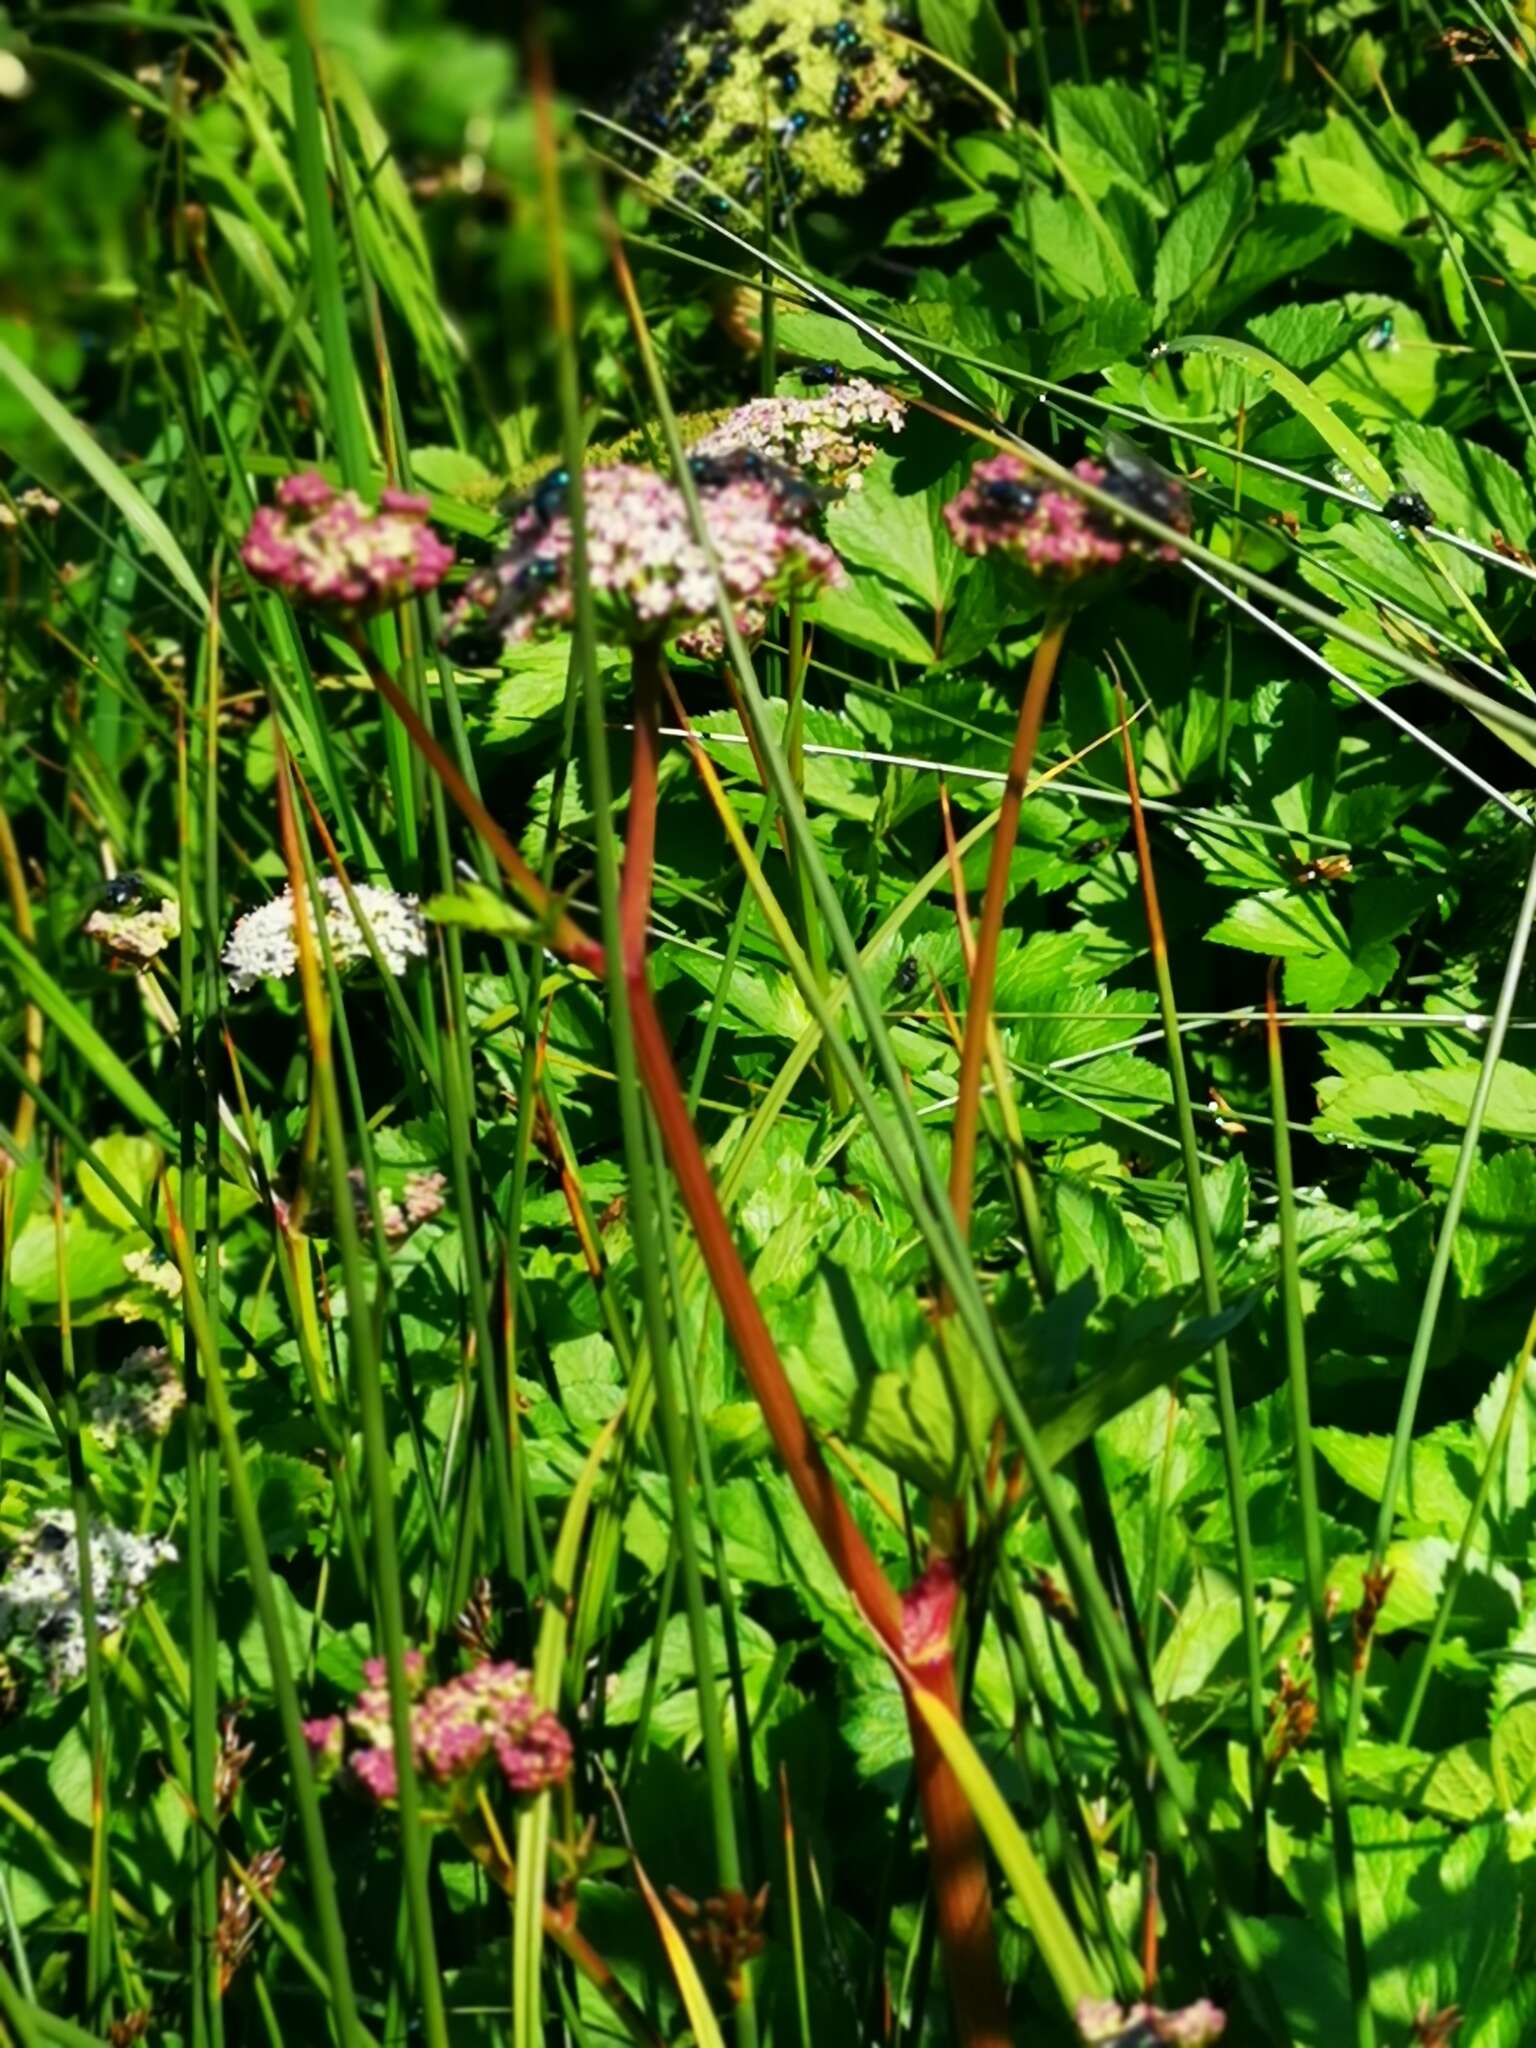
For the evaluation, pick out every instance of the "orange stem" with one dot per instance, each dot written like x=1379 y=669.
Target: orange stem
x=962 y=1168
x=640 y=836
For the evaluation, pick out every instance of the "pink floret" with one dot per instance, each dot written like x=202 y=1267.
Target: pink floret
x=456 y=1728
x=650 y=578
x=326 y=547
x=1009 y=508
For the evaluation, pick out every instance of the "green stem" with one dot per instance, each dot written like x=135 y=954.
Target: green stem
x=1314 y=1561
x=1439 y=1272
x=99 y=1922
x=1493 y=1464
x=378 y=1463
x=1210 y=1283
x=301 y=1772
x=811 y=934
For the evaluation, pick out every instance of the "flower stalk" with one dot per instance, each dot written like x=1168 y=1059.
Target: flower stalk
x=978 y=1016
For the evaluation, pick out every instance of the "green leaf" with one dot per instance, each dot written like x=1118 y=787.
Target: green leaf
x=1107 y=135
x=1423 y=1101
x=138 y=514
x=1467 y=487
x=1495 y=1245
x=863 y=612
x=1345 y=443
x=969 y=31
x=476 y=907
x=135 y=1163
x=1199 y=236
x=1441 y=1473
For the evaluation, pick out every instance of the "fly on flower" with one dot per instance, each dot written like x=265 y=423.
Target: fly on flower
x=1143 y=484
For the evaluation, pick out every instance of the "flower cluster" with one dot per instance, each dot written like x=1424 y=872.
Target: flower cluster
x=40 y=1599
x=263 y=943
x=136 y=935
x=153 y=1269
x=650 y=577
x=421 y=1199
x=1103 y=2022
x=141 y=1399
x=30 y=504
x=835 y=83
x=324 y=546
x=485 y=1717
x=1009 y=508
x=825 y=438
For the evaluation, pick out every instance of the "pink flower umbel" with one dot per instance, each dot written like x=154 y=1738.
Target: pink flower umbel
x=326 y=547
x=650 y=578
x=1107 y=2025
x=826 y=438
x=1009 y=508
x=486 y=1719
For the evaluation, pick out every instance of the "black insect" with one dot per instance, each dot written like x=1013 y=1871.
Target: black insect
x=845 y=97
x=1137 y=481
x=51 y=1538
x=857 y=55
x=906 y=974
x=547 y=498
x=784 y=72
x=796 y=500
x=767 y=37
x=841 y=37
x=720 y=65
x=536 y=573
x=1005 y=496
x=1091 y=849
x=123 y=892
x=743 y=133
x=796 y=124
x=872 y=137
x=818 y=373
x=1408 y=508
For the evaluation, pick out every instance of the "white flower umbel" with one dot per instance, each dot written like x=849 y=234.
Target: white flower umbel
x=40 y=1604
x=263 y=945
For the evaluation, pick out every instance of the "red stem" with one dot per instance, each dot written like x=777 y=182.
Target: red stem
x=640 y=837
x=961 y=1892
x=962 y=1897
x=962 y=1168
